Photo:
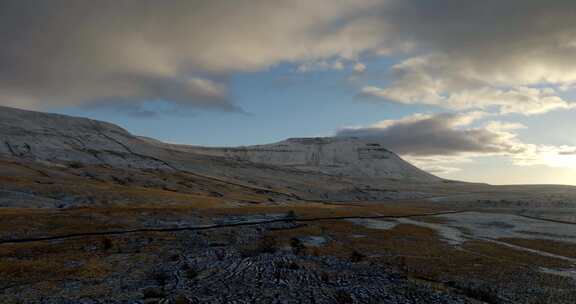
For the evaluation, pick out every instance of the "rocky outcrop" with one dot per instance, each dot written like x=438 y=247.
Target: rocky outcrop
x=351 y=157
x=61 y=138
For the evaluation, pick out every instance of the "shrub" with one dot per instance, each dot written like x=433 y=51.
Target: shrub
x=478 y=291
x=267 y=244
x=287 y=265
x=482 y=293
x=189 y=271
x=181 y=299
x=161 y=277
x=76 y=165
x=343 y=297
x=291 y=215
x=153 y=293
x=356 y=257
x=107 y=244
x=297 y=246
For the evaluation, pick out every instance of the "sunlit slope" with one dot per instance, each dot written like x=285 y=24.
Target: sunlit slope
x=341 y=156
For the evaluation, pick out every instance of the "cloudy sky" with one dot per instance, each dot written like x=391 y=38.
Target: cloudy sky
x=473 y=90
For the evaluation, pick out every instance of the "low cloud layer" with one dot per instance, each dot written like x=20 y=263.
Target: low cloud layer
x=439 y=142
x=425 y=135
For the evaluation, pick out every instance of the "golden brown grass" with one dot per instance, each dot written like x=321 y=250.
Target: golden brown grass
x=419 y=253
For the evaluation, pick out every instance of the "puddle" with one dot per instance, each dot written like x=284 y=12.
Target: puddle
x=495 y=226
x=569 y=273
x=374 y=223
x=313 y=241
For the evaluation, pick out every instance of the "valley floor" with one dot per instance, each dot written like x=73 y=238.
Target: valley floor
x=98 y=235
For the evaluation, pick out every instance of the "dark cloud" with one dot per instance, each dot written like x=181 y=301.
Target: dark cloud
x=68 y=52
x=441 y=143
x=461 y=54
x=441 y=134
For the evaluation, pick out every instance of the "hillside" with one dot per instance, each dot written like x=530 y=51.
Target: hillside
x=316 y=168
x=352 y=157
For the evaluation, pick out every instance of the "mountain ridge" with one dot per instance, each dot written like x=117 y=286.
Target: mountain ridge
x=57 y=137
x=341 y=156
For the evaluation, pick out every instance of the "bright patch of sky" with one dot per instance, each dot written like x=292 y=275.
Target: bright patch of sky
x=276 y=104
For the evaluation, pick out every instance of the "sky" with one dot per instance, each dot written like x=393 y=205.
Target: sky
x=471 y=90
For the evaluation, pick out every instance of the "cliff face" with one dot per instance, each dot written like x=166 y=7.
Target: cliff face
x=351 y=157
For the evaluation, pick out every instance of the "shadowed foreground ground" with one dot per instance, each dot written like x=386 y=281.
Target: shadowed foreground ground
x=110 y=236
